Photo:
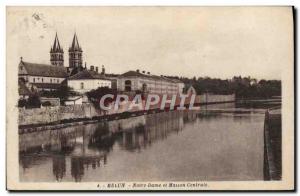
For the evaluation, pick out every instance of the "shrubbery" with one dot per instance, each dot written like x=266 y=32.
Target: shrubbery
x=32 y=102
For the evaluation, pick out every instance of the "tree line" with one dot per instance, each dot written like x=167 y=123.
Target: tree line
x=243 y=87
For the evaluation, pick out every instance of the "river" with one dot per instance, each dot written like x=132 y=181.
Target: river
x=220 y=142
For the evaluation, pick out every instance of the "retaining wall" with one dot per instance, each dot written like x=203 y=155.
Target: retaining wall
x=55 y=114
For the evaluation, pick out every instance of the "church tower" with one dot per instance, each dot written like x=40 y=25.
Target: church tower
x=75 y=54
x=56 y=53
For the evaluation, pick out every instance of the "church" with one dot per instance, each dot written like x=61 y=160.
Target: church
x=48 y=77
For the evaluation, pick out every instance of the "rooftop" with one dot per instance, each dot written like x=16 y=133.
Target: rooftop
x=35 y=69
x=148 y=75
x=87 y=74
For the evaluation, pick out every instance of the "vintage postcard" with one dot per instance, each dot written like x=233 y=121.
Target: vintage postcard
x=150 y=98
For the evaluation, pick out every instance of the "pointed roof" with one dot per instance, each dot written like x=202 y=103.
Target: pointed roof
x=56 y=46
x=75 y=45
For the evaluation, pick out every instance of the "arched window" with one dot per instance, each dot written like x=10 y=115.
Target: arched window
x=127 y=85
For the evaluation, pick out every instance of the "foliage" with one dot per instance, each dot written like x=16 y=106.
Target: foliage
x=22 y=103
x=95 y=95
x=63 y=92
x=243 y=87
x=33 y=101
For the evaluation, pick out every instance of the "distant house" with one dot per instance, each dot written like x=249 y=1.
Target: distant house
x=88 y=80
x=77 y=100
x=189 y=90
x=41 y=76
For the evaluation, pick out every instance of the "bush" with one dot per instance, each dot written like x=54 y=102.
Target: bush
x=22 y=103
x=95 y=95
x=33 y=102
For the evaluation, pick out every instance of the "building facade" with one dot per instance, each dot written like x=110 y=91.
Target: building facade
x=40 y=76
x=145 y=82
x=87 y=80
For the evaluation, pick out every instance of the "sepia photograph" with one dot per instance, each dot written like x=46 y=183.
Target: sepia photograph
x=150 y=98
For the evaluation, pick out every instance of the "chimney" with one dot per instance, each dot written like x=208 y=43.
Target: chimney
x=92 y=67
x=103 y=70
x=138 y=70
x=97 y=69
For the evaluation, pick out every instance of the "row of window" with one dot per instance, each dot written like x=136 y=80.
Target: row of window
x=102 y=84
x=59 y=57
x=73 y=55
x=42 y=80
x=158 y=83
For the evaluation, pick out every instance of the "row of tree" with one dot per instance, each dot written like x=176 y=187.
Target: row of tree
x=243 y=87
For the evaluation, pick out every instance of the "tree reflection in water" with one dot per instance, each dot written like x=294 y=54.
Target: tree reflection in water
x=87 y=145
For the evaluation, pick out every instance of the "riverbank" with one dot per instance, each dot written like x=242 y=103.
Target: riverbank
x=273 y=145
x=39 y=119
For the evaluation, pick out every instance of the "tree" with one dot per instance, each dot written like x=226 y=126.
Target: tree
x=22 y=103
x=63 y=92
x=33 y=101
x=95 y=95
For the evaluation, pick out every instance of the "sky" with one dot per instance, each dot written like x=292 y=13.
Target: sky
x=218 y=42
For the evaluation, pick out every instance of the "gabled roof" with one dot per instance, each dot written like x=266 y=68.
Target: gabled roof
x=35 y=69
x=56 y=46
x=75 y=45
x=87 y=74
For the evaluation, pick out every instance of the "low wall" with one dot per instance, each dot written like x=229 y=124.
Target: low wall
x=210 y=98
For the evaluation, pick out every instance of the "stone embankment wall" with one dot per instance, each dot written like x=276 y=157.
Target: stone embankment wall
x=55 y=114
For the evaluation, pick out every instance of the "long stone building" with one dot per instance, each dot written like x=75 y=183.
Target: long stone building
x=145 y=82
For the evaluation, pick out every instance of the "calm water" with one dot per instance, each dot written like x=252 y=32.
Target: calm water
x=221 y=142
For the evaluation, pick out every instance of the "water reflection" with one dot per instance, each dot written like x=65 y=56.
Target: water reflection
x=97 y=152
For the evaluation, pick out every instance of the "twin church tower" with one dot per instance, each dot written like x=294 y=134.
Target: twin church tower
x=75 y=54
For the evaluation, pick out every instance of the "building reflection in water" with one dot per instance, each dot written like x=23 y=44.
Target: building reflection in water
x=59 y=167
x=88 y=146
